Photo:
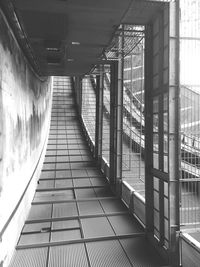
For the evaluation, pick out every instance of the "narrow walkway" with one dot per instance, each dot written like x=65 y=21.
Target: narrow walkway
x=75 y=220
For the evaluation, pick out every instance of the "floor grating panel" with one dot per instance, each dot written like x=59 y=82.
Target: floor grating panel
x=71 y=255
x=107 y=254
x=36 y=257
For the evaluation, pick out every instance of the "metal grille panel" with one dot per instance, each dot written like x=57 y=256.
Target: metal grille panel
x=71 y=255
x=98 y=181
x=48 y=174
x=96 y=227
x=65 y=235
x=64 y=209
x=65 y=224
x=82 y=182
x=63 y=183
x=107 y=254
x=112 y=205
x=85 y=193
x=35 y=227
x=40 y=212
x=140 y=253
x=123 y=224
x=29 y=239
x=30 y=257
x=90 y=207
x=46 y=184
x=103 y=192
x=54 y=196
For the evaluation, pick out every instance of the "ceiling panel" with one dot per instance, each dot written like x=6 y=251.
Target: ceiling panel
x=44 y=26
x=141 y=12
x=52 y=25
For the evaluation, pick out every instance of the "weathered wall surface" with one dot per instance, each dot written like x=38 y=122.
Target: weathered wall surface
x=25 y=102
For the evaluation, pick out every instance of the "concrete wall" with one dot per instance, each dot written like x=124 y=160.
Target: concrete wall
x=25 y=102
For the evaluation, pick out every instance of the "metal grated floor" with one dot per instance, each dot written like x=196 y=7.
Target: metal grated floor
x=75 y=220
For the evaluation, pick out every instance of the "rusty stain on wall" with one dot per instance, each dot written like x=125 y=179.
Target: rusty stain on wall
x=25 y=101
x=22 y=109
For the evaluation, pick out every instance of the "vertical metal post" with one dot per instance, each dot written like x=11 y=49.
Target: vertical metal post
x=76 y=91
x=131 y=110
x=148 y=130
x=174 y=133
x=80 y=95
x=140 y=151
x=112 y=125
x=119 y=115
x=116 y=119
x=113 y=116
x=99 y=115
x=161 y=130
x=167 y=85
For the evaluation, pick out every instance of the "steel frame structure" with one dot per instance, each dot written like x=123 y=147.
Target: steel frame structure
x=163 y=141
x=161 y=104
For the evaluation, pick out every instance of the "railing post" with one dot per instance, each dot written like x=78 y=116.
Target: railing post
x=99 y=115
x=78 y=93
x=113 y=119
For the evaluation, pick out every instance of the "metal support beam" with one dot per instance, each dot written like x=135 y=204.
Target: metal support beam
x=99 y=115
x=116 y=120
x=113 y=76
x=78 y=94
x=78 y=241
x=162 y=97
x=119 y=120
x=148 y=130
x=113 y=116
x=161 y=129
x=174 y=133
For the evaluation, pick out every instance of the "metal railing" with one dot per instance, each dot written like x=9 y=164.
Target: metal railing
x=133 y=122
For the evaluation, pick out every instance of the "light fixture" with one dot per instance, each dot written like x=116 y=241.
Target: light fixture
x=52 y=49
x=75 y=43
x=70 y=59
x=53 y=63
x=52 y=45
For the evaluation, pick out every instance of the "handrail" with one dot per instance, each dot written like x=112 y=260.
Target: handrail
x=190 y=240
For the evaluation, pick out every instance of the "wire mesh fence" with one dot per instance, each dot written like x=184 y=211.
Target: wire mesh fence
x=89 y=106
x=133 y=170
x=106 y=115
x=190 y=112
